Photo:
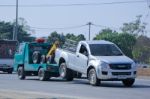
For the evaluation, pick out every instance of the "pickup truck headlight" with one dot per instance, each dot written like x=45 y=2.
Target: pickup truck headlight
x=104 y=65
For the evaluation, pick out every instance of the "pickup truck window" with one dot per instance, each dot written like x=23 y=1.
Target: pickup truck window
x=83 y=50
x=104 y=50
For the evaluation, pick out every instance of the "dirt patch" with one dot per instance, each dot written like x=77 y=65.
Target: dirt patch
x=143 y=72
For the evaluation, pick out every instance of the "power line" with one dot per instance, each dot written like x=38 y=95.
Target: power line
x=62 y=28
x=77 y=4
x=102 y=26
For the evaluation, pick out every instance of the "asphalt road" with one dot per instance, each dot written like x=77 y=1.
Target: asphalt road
x=77 y=89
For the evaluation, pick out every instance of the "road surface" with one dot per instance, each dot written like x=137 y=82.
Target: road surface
x=31 y=88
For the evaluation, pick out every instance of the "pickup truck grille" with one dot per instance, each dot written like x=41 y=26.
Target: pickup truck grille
x=121 y=73
x=120 y=66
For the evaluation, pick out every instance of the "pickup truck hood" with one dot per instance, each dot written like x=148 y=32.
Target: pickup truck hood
x=115 y=59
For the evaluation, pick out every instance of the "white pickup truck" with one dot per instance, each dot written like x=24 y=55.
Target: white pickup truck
x=98 y=60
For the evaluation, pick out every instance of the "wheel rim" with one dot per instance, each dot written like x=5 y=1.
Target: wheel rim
x=62 y=70
x=92 y=77
x=41 y=74
x=19 y=72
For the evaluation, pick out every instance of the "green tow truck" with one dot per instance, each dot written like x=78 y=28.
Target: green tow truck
x=30 y=60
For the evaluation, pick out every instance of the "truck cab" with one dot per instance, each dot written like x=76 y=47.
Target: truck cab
x=7 y=51
x=30 y=60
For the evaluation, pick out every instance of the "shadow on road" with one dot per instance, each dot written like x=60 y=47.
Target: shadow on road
x=111 y=84
x=50 y=80
x=141 y=86
x=84 y=82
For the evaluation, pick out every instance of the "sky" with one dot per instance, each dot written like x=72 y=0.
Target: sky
x=46 y=19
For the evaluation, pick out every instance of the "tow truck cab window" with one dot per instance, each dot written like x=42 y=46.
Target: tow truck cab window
x=20 y=49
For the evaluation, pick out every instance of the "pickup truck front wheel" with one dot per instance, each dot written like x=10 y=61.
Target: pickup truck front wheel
x=128 y=82
x=65 y=72
x=43 y=75
x=21 y=73
x=93 y=77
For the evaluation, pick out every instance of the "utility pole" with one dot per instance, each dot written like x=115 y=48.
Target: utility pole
x=16 y=23
x=89 y=29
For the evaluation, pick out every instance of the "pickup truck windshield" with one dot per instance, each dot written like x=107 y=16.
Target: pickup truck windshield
x=104 y=50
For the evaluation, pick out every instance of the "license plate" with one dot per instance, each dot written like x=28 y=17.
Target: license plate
x=121 y=77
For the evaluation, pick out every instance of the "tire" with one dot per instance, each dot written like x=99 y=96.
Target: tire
x=36 y=56
x=128 y=82
x=43 y=75
x=21 y=73
x=9 y=72
x=65 y=72
x=93 y=80
x=43 y=59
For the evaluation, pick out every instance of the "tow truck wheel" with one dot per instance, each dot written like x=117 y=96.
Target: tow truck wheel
x=21 y=73
x=10 y=72
x=128 y=82
x=65 y=72
x=43 y=75
x=93 y=78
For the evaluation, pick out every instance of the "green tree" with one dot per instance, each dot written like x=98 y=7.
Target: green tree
x=55 y=36
x=135 y=27
x=62 y=38
x=7 y=28
x=125 y=41
x=141 y=50
x=77 y=38
x=106 y=34
x=70 y=36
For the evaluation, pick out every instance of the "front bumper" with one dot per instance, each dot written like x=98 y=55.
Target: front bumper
x=116 y=74
x=6 y=68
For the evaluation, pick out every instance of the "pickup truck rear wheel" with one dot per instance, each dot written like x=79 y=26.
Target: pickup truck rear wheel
x=43 y=75
x=93 y=77
x=21 y=73
x=128 y=82
x=65 y=72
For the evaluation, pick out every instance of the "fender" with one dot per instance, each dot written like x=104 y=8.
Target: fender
x=61 y=54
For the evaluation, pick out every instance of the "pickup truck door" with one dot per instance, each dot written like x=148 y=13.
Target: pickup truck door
x=82 y=59
x=72 y=61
